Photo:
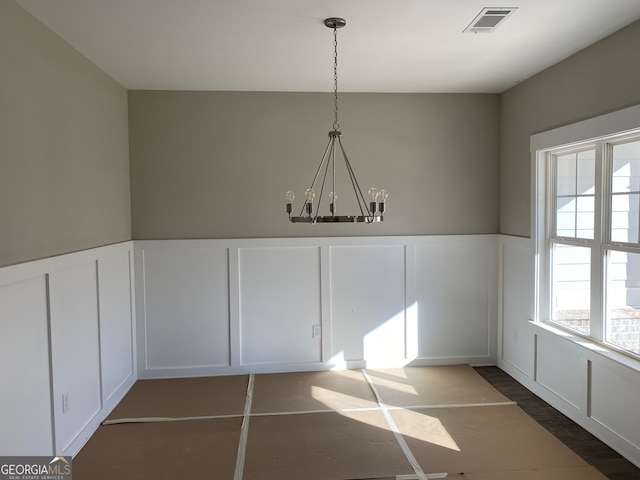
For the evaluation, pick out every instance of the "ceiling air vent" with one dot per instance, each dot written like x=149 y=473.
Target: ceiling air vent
x=489 y=19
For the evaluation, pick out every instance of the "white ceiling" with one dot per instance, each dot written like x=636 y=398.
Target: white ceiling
x=283 y=45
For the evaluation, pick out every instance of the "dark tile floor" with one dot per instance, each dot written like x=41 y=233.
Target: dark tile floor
x=592 y=450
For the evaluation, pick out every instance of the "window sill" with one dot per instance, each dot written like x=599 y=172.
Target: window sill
x=591 y=345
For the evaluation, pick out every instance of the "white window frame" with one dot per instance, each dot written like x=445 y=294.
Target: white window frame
x=600 y=132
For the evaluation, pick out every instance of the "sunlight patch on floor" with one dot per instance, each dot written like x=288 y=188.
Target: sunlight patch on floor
x=336 y=400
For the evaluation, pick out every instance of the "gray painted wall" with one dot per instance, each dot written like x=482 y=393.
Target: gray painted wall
x=217 y=164
x=64 y=162
x=602 y=78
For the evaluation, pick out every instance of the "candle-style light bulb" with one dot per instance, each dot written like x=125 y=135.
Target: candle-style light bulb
x=290 y=196
x=333 y=197
x=309 y=194
x=373 y=196
x=382 y=197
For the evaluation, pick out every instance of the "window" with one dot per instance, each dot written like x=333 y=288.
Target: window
x=589 y=238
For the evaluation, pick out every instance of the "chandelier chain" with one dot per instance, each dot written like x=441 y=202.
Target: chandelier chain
x=336 y=125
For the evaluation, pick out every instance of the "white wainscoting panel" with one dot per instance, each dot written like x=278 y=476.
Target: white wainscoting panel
x=75 y=356
x=25 y=403
x=615 y=398
x=211 y=307
x=116 y=326
x=561 y=369
x=516 y=303
x=186 y=304
x=67 y=325
x=596 y=387
x=456 y=298
x=368 y=304
x=279 y=305
x=66 y=339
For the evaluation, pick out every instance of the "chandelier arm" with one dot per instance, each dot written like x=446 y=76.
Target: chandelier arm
x=336 y=125
x=356 y=187
x=333 y=184
x=324 y=179
x=324 y=158
x=354 y=182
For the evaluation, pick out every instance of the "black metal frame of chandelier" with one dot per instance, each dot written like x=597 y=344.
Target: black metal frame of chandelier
x=338 y=219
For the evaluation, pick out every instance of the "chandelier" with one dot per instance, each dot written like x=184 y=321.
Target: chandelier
x=369 y=212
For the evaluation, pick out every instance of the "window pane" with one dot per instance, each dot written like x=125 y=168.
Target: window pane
x=584 y=217
x=571 y=288
x=575 y=217
x=566 y=217
x=566 y=174
x=623 y=301
x=586 y=181
x=626 y=168
x=625 y=198
x=625 y=217
x=575 y=191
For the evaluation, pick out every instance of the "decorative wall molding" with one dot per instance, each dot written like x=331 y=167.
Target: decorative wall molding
x=67 y=347
x=209 y=307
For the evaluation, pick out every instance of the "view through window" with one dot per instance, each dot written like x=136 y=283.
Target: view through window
x=593 y=240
